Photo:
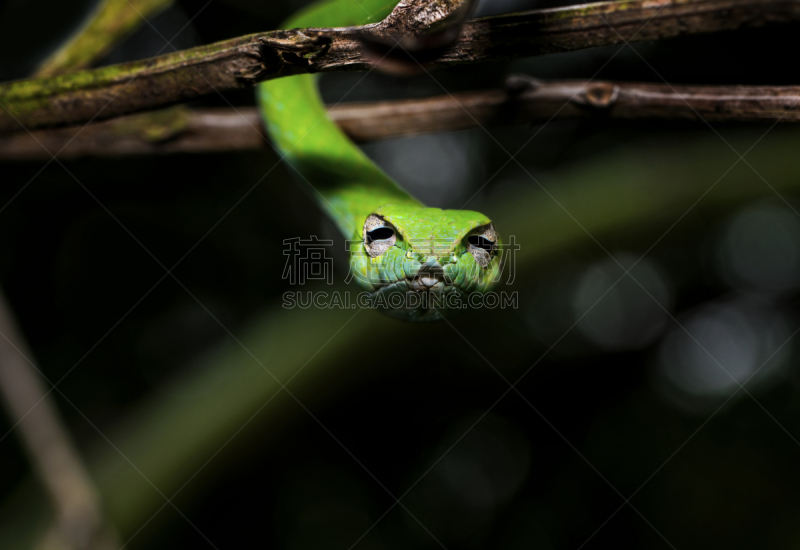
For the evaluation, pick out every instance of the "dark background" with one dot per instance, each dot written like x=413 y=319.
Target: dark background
x=628 y=389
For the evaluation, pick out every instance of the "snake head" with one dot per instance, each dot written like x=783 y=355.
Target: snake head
x=423 y=263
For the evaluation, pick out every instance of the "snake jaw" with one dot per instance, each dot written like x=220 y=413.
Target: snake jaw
x=415 y=286
x=431 y=278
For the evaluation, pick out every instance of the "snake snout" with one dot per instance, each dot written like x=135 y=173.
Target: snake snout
x=431 y=276
x=429 y=281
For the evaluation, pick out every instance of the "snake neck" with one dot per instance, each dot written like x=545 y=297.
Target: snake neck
x=343 y=181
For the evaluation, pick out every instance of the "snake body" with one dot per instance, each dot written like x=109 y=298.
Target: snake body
x=418 y=263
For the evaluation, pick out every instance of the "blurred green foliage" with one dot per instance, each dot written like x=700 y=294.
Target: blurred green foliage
x=617 y=398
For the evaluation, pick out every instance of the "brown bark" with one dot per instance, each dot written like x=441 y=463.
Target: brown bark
x=526 y=101
x=241 y=62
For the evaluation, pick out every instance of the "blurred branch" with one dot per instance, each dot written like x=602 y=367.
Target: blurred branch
x=634 y=192
x=525 y=101
x=241 y=62
x=55 y=460
x=111 y=22
x=79 y=521
x=159 y=132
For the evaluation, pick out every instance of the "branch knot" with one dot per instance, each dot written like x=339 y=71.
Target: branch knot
x=601 y=95
x=279 y=54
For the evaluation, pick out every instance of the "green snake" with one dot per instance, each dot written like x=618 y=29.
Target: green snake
x=418 y=263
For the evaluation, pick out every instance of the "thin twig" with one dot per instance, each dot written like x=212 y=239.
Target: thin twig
x=241 y=62
x=221 y=130
x=80 y=523
x=55 y=460
x=111 y=21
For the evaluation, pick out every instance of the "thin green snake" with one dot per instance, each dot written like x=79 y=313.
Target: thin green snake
x=419 y=263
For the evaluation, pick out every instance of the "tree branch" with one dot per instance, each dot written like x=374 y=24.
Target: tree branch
x=111 y=21
x=525 y=101
x=80 y=523
x=241 y=62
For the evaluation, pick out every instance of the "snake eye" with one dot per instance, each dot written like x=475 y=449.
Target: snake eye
x=379 y=235
x=479 y=241
x=483 y=244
